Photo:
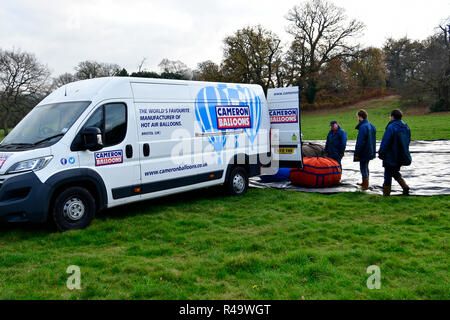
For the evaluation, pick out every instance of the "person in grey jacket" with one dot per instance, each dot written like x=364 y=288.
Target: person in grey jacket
x=365 y=149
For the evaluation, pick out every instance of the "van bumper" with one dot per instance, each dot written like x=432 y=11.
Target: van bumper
x=23 y=198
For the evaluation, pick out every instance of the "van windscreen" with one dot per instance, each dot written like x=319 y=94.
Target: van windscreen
x=45 y=123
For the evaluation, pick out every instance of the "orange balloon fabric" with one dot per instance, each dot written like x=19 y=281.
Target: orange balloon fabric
x=317 y=173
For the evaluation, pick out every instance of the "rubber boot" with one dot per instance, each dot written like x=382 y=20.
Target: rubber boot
x=387 y=190
x=365 y=184
x=404 y=186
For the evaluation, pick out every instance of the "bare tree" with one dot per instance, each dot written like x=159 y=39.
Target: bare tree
x=444 y=81
x=63 y=79
x=141 y=64
x=403 y=56
x=433 y=72
x=324 y=32
x=93 y=69
x=22 y=80
x=174 y=69
x=295 y=63
x=420 y=70
x=171 y=66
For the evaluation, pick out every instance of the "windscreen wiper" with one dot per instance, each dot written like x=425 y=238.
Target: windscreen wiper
x=48 y=139
x=17 y=146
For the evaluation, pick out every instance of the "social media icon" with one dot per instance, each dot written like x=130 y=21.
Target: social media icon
x=71 y=160
x=63 y=161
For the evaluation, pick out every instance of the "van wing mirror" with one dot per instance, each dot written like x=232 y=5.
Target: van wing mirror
x=92 y=139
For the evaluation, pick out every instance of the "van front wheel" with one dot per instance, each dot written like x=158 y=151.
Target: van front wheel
x=237 y=182
x=74 y=208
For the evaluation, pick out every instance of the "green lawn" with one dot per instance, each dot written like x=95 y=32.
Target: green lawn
x=315 y=126
x=267 y=244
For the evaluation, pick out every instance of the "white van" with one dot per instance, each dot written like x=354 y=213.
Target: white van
x=100 y=143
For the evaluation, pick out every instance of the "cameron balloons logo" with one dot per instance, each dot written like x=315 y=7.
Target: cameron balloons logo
x=233 y=117
x=219 y=108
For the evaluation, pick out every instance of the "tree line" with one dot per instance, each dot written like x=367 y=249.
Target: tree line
x=323 y=58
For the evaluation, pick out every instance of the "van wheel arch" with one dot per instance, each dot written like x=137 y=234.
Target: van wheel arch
x=85 y=184
x=83 y=178
x=234 y=163
x=253 y=169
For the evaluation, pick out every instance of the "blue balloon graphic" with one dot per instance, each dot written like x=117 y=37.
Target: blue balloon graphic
x=255 y=111
x=247 y=97
x=205 y=111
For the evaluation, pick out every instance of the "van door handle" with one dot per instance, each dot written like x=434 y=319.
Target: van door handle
x=129 y=151
x=146 y=150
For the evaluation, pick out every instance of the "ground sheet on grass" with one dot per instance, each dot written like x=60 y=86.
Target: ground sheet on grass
x=428 y=175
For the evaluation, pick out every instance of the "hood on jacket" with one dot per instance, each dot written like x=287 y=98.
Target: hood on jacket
x=399 y=123
x=361 y=123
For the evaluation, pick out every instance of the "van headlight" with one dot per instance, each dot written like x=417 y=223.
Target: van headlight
x=30 y=165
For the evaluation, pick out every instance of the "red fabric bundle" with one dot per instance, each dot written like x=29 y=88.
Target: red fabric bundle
x=317 y=173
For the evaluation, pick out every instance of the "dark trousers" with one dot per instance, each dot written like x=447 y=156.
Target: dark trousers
x=389 y=173
x=364 y=167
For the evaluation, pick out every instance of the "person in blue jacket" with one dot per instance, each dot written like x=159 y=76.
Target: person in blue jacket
x=365 y=149
x=394 y=151
x=336 y=142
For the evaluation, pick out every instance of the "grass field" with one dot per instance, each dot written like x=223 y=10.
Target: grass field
x=315 y=125
x=267 y=244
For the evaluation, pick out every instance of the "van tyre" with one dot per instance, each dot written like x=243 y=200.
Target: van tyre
x=74 y=208
x=237 y=182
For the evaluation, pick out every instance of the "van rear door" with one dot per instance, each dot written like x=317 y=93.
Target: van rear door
x=285 y=124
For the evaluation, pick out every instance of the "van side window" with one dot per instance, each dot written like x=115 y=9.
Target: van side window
x=111 y=119
x=115 y=123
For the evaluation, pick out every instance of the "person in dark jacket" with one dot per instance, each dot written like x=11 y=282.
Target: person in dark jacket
x=394 y=151
x=336 y=142
x=365 y=149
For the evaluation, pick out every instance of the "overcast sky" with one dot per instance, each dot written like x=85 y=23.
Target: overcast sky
x=63 y=33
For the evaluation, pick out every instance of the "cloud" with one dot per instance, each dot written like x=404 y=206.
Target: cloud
x=63 y=33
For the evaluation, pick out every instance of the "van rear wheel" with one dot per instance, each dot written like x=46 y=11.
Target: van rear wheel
x=237 y=182
x=74 y=208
